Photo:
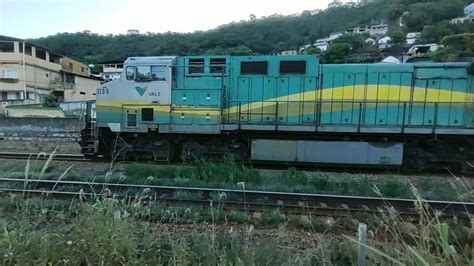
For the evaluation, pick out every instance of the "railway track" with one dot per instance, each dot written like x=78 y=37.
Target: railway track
x=41 y=156
x=248 y=200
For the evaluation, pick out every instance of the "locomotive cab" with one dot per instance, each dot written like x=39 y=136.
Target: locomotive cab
x=146 y=83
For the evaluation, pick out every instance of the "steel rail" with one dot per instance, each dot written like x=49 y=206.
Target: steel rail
x=251 y=198
x=42 y=156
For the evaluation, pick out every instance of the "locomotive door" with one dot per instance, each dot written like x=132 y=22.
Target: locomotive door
x=148 y=100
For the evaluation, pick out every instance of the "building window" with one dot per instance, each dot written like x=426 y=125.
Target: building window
x=9 y=74
x=82 y=69
x=158 y=73
x=7 y=47
x=69 y=78
x=196 y=65
x=30 y=95
x=218 y=65
x=130 y=73
x=82 y=93
x=41 y=54
x=293 y=67
x=4 y=95
x=18 y=95
x=254 y=68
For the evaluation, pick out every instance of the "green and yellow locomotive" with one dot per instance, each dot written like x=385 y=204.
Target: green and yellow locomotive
x=286 y=109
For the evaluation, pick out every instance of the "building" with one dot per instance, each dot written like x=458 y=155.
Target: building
x=357 y=30
x=469 y=10
x=111 y=70
x=29 y=72
x=334 y=35
x=412 y=37
x=384 y=42
x=322 y=44
x=370 y=41
x=289 y=52
x=380 y=29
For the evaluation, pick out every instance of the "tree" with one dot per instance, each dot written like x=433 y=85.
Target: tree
x=267 y=35
x=398 y=37
x=455 y=46
x=313 y=50
x=50 y=101
x=336 y=53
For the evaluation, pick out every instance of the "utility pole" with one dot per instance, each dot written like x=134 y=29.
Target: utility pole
x=24 y=72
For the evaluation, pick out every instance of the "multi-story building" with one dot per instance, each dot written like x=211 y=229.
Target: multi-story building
x=29 y=72
x=111 y=70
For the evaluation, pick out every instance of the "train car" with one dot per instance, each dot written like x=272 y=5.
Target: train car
x=288 y=109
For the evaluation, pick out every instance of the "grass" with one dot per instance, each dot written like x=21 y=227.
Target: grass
x=47 y=231
x=228 y=174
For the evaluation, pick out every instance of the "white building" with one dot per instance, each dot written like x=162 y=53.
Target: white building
x=289 y=52
x=412 y=37
x=384 y=42
x=111 y=70
x=322 y=44
x=381 y=29
x=357 y=30
x=469 y=10
x=422 y=49
x=334 y=35
x=370 y=41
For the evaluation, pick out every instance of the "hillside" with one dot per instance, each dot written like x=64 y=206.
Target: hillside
x=273 y=33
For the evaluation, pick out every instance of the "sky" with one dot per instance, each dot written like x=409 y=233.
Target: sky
x=39 y=18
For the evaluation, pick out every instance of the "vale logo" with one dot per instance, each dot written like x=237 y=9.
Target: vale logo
x=141 y=90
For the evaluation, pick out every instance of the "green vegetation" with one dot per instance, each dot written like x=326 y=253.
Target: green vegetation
x=50 y=101
x=455 y=46
x=275 y=33
x=47 y=231
x=231 y=175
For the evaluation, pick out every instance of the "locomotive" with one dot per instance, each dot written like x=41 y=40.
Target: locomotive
x=286 y=109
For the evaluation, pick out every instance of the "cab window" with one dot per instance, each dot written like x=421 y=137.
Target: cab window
x=130 y=73
x=158 y=73
x=143 y=74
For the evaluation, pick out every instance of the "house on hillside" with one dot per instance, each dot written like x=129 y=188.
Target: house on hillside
x=29 y=72
x=384 y=42
x=111 y=70
x=289 y=52
x=357 y=30
x=322 y=44
x=380 y=29
x=412 y=37
x=370 y=41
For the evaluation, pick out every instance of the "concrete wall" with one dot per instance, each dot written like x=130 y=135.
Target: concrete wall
x=40 y=129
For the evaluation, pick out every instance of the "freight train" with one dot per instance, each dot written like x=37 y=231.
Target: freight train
x=286 y=109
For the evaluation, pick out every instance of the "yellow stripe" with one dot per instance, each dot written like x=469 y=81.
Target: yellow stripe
x=361 y=93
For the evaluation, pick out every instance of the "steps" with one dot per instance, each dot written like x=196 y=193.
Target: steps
x=88 y=140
